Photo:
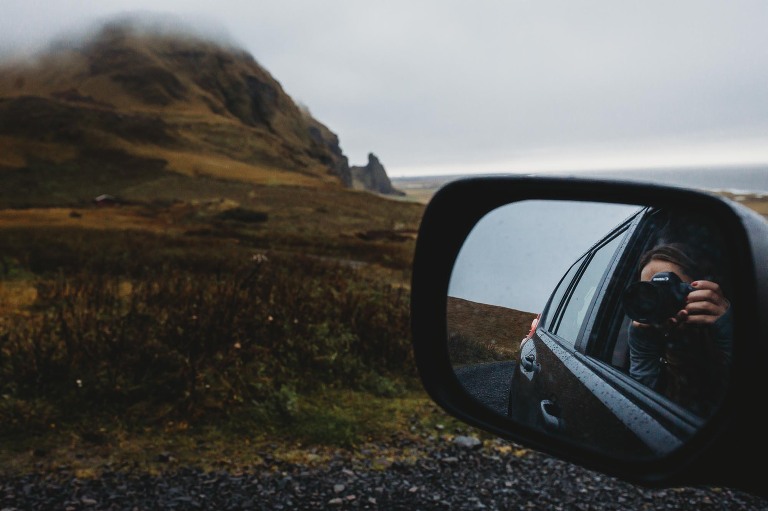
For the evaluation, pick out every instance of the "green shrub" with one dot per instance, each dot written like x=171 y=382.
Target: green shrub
x=199 y=339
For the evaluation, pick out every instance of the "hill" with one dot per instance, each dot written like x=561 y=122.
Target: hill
x=479 y=332
x=128 y=107
x=184 y=243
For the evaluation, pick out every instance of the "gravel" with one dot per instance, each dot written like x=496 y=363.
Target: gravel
x=457 y=475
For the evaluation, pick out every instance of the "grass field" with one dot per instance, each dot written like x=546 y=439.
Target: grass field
x=208 y=310
x=214 y=320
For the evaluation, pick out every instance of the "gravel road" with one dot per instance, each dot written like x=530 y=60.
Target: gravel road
x=452 y=474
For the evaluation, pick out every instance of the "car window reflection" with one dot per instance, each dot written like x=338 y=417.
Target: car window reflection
x=575 y=310
x=562 y=288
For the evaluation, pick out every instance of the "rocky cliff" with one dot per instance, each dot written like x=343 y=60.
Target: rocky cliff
x=373 y=177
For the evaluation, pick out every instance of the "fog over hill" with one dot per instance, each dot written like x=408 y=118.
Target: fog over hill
x=130 y=104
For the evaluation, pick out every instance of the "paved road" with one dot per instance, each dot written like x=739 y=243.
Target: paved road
x=488 y=383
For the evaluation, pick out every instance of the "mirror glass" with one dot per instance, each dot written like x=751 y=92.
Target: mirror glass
x=609 y=325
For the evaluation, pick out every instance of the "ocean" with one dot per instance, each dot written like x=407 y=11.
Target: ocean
x=752 y=179
x=733 y=179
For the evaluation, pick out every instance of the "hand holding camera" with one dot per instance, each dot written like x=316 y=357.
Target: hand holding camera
x=666 y=301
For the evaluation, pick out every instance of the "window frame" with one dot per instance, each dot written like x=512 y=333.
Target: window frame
x=554 y=310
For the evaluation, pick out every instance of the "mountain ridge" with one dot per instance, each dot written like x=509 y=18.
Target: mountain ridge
x=167 y=102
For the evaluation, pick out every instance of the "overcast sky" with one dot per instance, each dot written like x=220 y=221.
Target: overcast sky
x=486 y=86
x=512 y=261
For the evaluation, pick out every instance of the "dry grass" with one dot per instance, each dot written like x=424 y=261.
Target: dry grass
x=105 y=218
x=369 y=421
x=16 y=297
x=221 y=167
x=756 y=203
x=12 y=151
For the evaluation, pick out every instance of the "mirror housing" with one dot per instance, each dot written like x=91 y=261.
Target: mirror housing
x=718 y=454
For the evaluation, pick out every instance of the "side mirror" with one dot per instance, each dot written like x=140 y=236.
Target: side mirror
x=521 y=327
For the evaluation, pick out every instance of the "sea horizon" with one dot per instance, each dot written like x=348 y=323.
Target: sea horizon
x=736 y=179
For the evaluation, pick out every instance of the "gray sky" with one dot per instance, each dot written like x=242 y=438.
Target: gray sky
x=516 y=255
x=442 y=86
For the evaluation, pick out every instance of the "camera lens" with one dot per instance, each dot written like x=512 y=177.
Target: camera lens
x=642 y=301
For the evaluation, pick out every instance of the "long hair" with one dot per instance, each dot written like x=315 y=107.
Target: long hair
x=683 y=256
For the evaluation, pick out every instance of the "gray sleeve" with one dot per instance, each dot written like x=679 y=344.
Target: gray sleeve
x=724 y=333
x=645 y=352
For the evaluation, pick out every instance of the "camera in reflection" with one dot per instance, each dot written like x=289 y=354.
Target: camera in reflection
x=653 y=301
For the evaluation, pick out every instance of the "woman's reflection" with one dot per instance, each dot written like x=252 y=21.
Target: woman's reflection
x=681 y=336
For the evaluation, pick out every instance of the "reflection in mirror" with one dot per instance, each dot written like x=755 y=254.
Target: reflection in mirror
x=606 y=324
